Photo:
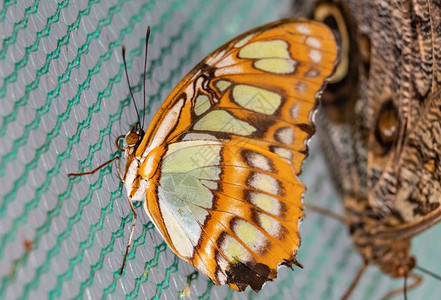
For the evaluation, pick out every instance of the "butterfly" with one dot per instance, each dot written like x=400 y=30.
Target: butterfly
x=379 y=126
x=216 y=170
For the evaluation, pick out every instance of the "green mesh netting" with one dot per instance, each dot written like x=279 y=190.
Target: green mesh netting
x=64 y=100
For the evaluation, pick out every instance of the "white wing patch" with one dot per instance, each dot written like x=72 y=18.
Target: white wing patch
x=250 y=235
x=302 y=28
x=234 y=250
x=166 y=126
x=243 y=41
x=265 y=183
x=271 y=56
x=202 y=104
x=267 y=203
x=315 y=55
x=276 y=65
x=222 y=121
x=182 y=242
x=265 y=49
x=313 y=42
x=183 y=193
x=256 y=99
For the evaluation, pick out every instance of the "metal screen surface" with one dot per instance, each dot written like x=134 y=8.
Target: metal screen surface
x=64 y=99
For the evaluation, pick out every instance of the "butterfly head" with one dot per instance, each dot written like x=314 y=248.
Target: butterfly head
x=398 y=262
x=131 y=140
x=392 y=256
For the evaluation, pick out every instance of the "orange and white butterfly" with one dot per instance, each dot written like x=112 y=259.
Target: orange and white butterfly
x=217 y=168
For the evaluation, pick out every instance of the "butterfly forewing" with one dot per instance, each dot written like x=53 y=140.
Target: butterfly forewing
x=219 y=163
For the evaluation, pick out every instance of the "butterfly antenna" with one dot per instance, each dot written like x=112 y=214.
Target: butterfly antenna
x=128 y=81
x=430 y=273
x=417 y=279
x=405 y=287
x=147 y=35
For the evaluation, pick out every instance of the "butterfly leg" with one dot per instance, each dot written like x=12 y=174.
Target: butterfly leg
x=132 y=230
x=355 y=281
x=327 y=213
x=118 y=168
x=417 y=281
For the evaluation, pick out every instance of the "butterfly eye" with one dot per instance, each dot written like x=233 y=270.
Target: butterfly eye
x=387 y=125
x=132 y=138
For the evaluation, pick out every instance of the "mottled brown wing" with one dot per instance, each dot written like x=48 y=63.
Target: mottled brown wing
x=388 y=73
x=418 y=174
x=380 y=123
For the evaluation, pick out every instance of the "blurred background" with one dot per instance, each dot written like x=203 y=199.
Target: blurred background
x=64 y=100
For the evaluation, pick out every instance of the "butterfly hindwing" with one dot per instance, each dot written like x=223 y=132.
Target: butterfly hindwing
x=220 y=160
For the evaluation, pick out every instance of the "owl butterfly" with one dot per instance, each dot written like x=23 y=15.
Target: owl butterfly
x=217 y=168
x=380 y=126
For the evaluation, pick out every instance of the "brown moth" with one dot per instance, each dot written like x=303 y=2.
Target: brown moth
x=380 y=125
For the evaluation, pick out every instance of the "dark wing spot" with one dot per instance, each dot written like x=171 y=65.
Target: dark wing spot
x=249 y=273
